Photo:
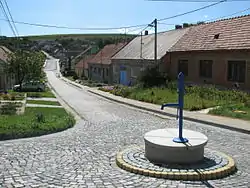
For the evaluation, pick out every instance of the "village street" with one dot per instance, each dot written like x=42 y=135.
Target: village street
x=84 y=155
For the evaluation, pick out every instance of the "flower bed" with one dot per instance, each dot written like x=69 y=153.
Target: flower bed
x=12 y=104
x=12 y=96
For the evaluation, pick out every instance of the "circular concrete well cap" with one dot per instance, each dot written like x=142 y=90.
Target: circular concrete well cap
x=160 y=147
x=164 y=137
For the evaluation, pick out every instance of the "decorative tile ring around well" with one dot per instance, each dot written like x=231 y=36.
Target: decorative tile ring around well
x=215 y=165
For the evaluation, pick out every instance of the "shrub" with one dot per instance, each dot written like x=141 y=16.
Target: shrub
x=6 y=97
x=40 y=118
x=13 y=97
x=121 y=91
x=75 y=77
x=152 y=77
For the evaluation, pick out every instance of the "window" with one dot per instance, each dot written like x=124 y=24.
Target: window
x=99 y=71
x=206 y=67
x=183 y=67
x=236 y=71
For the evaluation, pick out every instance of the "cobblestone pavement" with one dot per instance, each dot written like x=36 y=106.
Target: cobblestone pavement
x=83 y=156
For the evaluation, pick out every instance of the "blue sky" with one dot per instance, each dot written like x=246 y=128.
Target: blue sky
x=107 y=13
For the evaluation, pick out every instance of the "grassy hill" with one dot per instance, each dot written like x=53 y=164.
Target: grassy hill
x=75 y=36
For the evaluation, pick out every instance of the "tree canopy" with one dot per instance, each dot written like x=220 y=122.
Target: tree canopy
x=26 y=65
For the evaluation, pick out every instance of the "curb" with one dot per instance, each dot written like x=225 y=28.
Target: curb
x=219 y=173
x=159 y=112
x=173 y=115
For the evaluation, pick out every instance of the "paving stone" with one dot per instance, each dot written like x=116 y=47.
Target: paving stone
x=88 y=148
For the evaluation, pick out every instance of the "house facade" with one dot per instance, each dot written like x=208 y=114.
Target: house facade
x=6 y=82
x=138 y=54
x=81 y=67
x=100 y=66
x=215 y=53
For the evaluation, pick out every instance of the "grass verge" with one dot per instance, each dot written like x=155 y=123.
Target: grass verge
x=75 y=36
x=45 y=94
x=35 y=122
x=233 y=103
x=55 y=103
x=240 y=111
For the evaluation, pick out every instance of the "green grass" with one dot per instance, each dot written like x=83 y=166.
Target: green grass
x=240 y=111
x=76 y=36
x=70 y=78
x=31 y=123
x=45 y=94
x=196 y=98
x=55 y=103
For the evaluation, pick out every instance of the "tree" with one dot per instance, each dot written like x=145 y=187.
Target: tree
x=35 y=66
x=152 y=77
x=200 y=22
x=25 y=65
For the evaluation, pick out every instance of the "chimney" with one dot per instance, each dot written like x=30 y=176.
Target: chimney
x=146 y=32
x=178 y=27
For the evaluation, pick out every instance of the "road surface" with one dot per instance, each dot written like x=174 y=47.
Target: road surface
x=83 y=156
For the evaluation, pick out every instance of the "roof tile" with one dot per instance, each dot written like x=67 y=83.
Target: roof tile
x=165 y=40
x=233 y=34
x=83 y=63
x=104 y=55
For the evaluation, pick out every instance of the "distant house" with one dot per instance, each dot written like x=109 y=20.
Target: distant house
x=81 y=67
x=138 y=54
x=216 y=53
x=6 y=82
x=100 y=67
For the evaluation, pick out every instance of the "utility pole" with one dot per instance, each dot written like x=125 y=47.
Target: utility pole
x=125 y=35
x=141 y=47
x=155 y=25
x=102 y=69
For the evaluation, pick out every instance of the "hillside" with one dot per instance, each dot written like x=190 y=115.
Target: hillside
x=75 y=36
x=68 y=48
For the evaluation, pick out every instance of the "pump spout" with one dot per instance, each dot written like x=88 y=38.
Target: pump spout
x=169 y=105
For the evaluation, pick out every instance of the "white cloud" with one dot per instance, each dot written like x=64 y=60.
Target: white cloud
x=205 y=16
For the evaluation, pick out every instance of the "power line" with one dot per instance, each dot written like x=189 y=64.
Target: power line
x=6 y=4
x=194 y=0
x=213 y=19
x=75 y=28
x=7 y=18
x=192 y=11
x=114 y=28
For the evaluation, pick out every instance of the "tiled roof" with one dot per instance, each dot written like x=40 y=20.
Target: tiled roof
x=165 y=40
x=104 y=56
x=84 y=62
x=4 y=53
x=233 y=33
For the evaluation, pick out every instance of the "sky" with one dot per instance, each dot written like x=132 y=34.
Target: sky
x=108 y=13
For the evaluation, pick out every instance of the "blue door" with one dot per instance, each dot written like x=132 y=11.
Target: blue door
x=123 y=77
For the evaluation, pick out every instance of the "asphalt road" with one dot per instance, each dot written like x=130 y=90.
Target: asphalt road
x=83 y=156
